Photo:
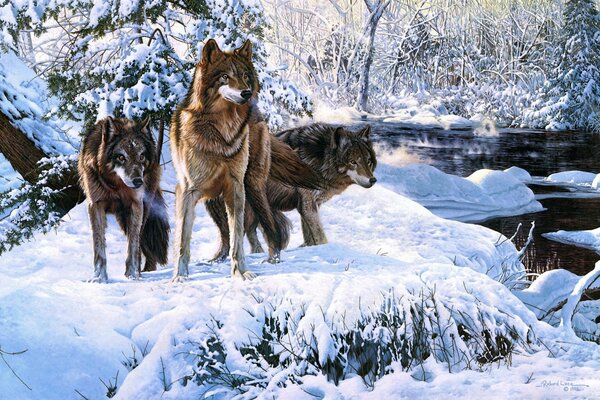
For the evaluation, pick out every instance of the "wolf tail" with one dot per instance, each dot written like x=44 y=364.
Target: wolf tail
x=289 y=169
x=155 y=234
x=284 y=225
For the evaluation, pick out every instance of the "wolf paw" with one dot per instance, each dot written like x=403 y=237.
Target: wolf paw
x=246 y=276
x=98 y=279
x=179 y=279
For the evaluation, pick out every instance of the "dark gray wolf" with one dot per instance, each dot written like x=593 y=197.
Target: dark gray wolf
x=221 y=150
x=284 y=167
x=339 y=156
x=120 y=174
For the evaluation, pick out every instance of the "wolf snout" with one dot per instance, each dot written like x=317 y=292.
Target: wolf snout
x=246 y=94
x=372 y=180
x=137 y=182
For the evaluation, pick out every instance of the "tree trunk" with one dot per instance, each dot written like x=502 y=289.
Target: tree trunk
x=376 y=10
x=23 y=156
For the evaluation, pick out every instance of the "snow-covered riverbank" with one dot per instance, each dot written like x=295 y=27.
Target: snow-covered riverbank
x=382 y=245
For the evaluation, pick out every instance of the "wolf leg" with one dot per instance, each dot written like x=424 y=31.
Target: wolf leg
x=185 y=203
x=257 y=198
x=97 y=215
x=250 y=226
x=216 y=210
x=134 y=228
x=312 y=228
x=234 y=196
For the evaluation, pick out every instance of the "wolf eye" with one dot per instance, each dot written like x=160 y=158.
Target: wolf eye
x=353 y=163
x=142 y=158
x=224 y=78
x=121 y=158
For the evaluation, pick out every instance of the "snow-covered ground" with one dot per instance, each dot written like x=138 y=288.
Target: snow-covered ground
x=408 y=112
x=482 y=195
x=381 y=242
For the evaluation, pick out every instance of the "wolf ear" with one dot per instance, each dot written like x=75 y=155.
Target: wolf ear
x=108 y=128
x=210 y=51
x=364 y=133
x=145 y=124
x=245 y=51
x=340 y=138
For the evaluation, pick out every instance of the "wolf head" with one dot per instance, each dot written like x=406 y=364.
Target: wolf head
x=129 y=149
x=354 y=155
x=226 y=75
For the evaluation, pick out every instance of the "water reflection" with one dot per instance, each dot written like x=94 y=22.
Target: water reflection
x=539 y=152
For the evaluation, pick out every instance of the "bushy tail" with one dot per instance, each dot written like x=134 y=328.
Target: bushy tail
x=289 y=169
x=284 y=225
x=155 y=235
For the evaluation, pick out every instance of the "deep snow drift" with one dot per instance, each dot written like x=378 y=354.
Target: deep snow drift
x=482 y=195
x=76 y=333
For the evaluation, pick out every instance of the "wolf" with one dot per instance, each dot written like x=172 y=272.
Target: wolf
x=222 y=150
x=119 y=172
x=340 y=157
x=284 y=167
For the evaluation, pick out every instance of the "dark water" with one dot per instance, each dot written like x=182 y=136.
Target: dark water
x=539 y=152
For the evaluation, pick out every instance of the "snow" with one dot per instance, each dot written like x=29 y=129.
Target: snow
x=9 y=178
x=76 y=332
x=575 y=177
x=406 y=112
x=482 y=195
x=589 y=239
x=25 y=101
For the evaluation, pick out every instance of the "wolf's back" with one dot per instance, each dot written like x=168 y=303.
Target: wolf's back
x=155 y=234
x=288 y=168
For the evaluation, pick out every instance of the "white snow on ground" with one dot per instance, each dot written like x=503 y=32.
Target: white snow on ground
x=575 y=177
x=482 y=195
x=76 y=332
x=24 y=99
x=519 y=173
x=407 y=113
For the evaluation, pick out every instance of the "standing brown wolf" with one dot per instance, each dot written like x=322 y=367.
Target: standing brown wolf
x=221 y=149
x=338 y=158
x=120 y=174
x=209 y=147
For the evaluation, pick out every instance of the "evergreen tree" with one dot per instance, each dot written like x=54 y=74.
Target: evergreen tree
x=134 y=58
x=572 y=95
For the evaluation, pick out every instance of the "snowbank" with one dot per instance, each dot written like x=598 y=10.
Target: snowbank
x=574 y=177
x=484 y=194
x=382 y=244
x=24 y=99
x=9 y=178
x=587 y=239
x=405 y=112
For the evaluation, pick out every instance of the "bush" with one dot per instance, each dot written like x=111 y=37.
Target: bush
x=400 y=335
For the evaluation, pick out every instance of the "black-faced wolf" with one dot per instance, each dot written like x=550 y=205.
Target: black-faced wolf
x=341 y=158
x=120 y=174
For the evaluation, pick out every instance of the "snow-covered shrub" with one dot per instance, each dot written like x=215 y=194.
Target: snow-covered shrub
x=32 y=207
x=400 y=335
x=134 y=59
x=570 y=99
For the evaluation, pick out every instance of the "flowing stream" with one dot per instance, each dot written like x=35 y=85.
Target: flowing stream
x=541 y=153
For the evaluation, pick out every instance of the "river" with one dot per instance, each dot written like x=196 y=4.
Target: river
x=541 y=153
